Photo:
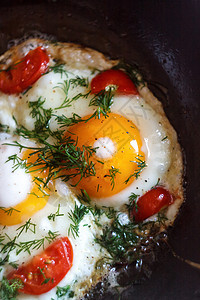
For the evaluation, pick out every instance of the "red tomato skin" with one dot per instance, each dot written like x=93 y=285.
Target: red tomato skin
x=113 y=77
x=151 y=203
x=24 y=72
x=55 y=262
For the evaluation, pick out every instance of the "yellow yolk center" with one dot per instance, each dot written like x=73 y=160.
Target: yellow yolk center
x=35 y=200
x=118 y=148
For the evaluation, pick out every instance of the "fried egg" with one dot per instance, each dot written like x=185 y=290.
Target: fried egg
x=130 y=149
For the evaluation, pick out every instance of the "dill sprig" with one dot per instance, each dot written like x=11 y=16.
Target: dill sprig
x=36 y=244
x=112 y=174
x=18 y=162
x=28 y=226
x=7 y=247
x=57 y=214
x=42 y=118
x=97 y=212
x=12 y=67
x=9 y=288
x=132 y=72
x=119 y=240
x=104 y=100
x=65 y=87
x=41 y=115
x=79 y=81
x=64 y=121
x=132 y=202
x=76 y=216
x=4 y=128
x=8 y=211
x=64 y=291
x=46 y=279
x=141 y=164
x=161 y=218
x=58 y=158
x=59 y=69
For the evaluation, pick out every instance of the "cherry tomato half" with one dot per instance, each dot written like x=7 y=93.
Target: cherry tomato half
x=151 y=203
x=113 y=77
x=46 y=270
x=24 y=72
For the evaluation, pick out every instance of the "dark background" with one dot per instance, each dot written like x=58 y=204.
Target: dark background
x=163 y=38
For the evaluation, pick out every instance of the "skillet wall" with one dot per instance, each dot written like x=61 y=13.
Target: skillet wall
x=162 y=37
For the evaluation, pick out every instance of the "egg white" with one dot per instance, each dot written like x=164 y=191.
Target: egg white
x=15 y=185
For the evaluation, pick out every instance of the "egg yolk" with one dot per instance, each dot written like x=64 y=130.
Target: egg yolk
x=118 y=149
x=35 y=200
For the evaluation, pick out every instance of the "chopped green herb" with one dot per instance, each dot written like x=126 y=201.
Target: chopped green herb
x=64 y=291
x=57 y=214
x=64 y=121
x=59 y=69
x=166 y=137
x=27 y=226
x=132 y=72
x=112 y=174
x=132 y=202
x=161 y=218
x=141 y=164
x=65 y=87
x=4 y=128
x=79 y=81
x=119 y=240
x=13 y=264
x=8 y=211
x=76 y=216
x=103 y=100
x=62 y=155
x=9 y=288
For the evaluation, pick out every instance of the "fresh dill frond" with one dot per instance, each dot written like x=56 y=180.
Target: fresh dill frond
x=65 y=87
x=59 y=69
x=141 y=164
x=46 y=280
x=9 y=288
x=17 y=162
x=161 y=218
x=132 y=72
x=112 y=174
x=64 y=121
x=12 y=67
x=97 y=212
x=8 y=211
x=64 y=291
x=41 y=115
x=132 y=202
x=4 y=260
x=41 y=118
x=84 y=197
x=57 y=214
x=13 y=264
x=9 y=246
x=4 y=128
x=156 y=185
x=64 y=154
x=166 y=137
x=36 y=244
x=104 y=101
x=76 y=216
x=26 y=227
x=119 y=240
x=79 y=81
